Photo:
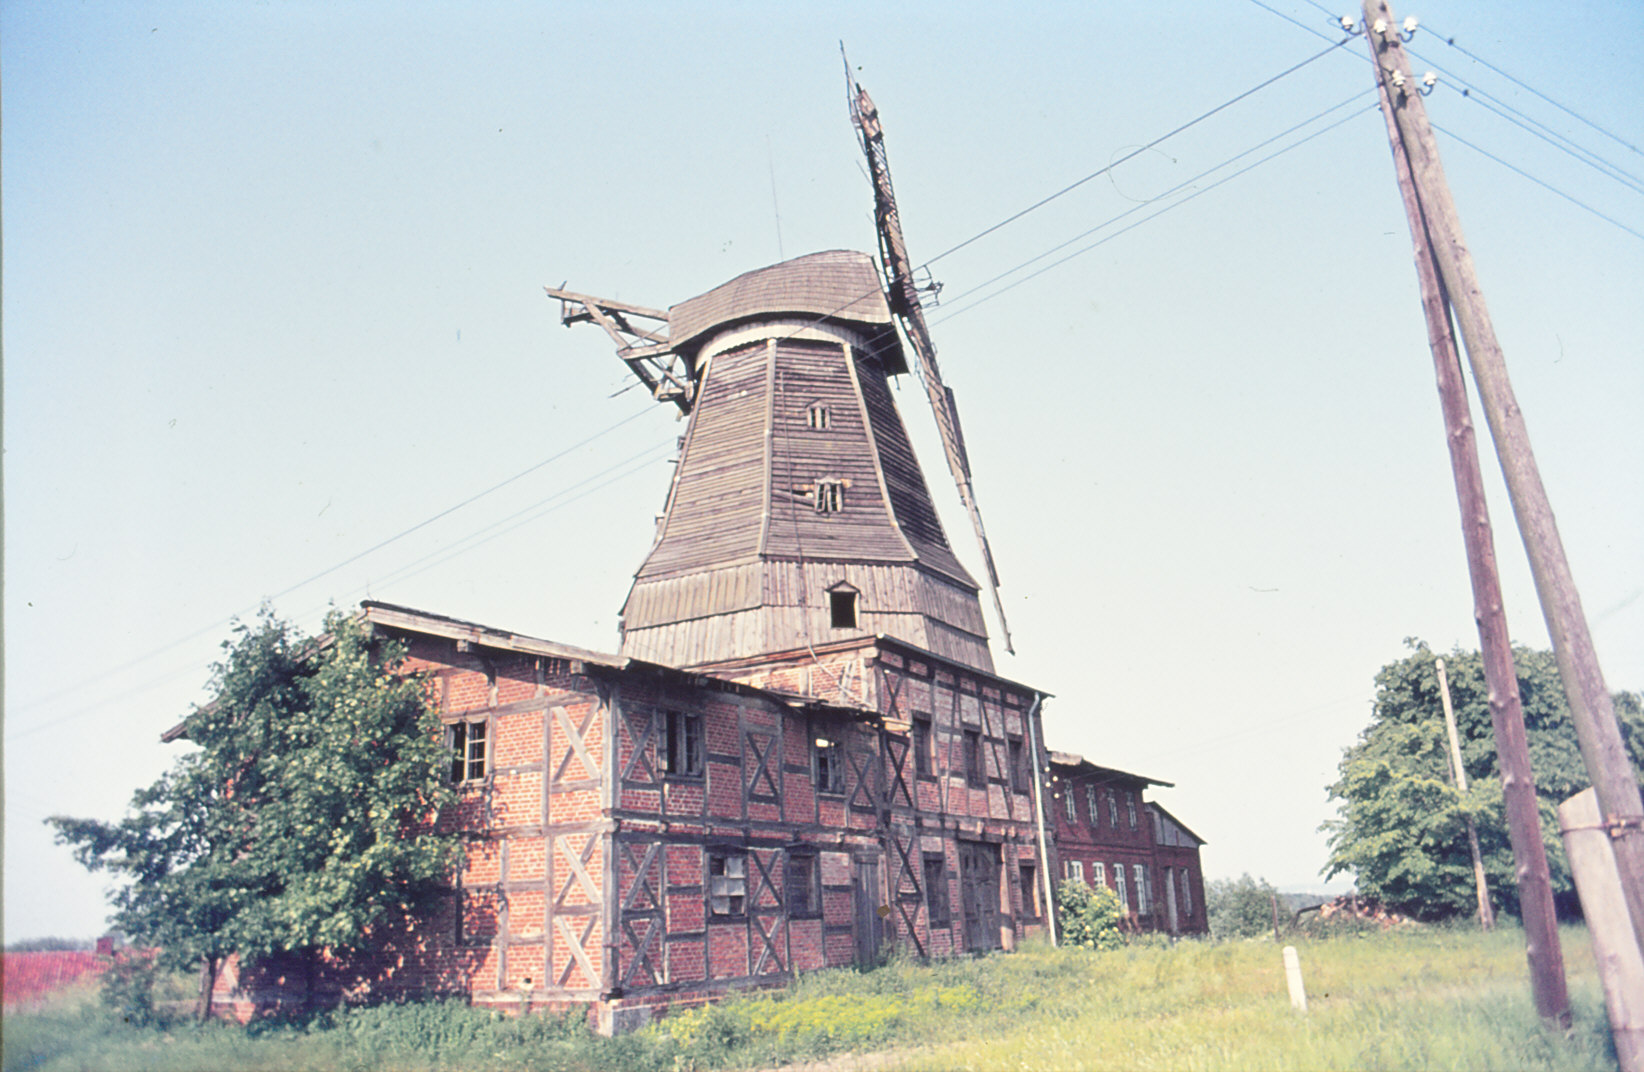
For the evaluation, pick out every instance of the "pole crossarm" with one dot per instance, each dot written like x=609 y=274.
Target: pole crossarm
x=645 y=350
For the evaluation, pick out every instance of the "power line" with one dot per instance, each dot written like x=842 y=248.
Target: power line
x=1132 y=155
x=405 y=572
x=1174 y=189
x=220 y=623
x=1539 y=182
x=1608 y=168
x=1162 y=211
x=1451 y=41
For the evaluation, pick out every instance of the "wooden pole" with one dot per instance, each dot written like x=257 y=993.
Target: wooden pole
x=1481 y=885
x=1615 y=945
x=1535 y=892
x=1293 y=979
x=1591 y=709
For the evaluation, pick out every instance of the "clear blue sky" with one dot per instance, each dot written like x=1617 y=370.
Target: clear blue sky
x=272 y=296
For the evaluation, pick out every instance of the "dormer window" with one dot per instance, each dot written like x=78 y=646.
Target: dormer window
x=830 y=496
x=818 y=417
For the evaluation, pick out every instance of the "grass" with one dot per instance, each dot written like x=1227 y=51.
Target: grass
x=1424 y=999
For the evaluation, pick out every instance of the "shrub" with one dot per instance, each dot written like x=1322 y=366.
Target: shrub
x=128 y=987
x=1090 y=916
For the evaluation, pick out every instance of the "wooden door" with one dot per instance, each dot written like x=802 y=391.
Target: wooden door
x=870 y=926
x=979 y=894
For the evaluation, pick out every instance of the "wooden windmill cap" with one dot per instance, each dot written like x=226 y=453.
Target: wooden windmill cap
x=837 y=286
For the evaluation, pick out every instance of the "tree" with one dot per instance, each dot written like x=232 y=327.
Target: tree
x=1239 y=907
x=1402 y=830
x=303 y=819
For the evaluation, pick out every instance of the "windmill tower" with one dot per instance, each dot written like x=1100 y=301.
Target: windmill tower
x=798 y=514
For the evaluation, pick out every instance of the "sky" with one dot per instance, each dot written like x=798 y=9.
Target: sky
x=274 y=331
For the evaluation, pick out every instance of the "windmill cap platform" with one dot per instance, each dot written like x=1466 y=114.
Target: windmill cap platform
x=840 y=286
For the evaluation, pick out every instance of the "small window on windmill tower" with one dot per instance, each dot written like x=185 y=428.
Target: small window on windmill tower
x=842 y=606
x=830 y=496
x=817 y=416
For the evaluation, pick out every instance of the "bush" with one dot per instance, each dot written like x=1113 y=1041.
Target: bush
x=1090 y=916
x=1240 y=907
x=128 y=987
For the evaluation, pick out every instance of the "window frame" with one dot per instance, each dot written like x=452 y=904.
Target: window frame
x=1138 y=874
x=1069 y=805
x=830 y=496
x=844 y=608
x=1093 y=804
x=827 y=758
x=1076 y=870
x=1016 y=756
x=460 y=748
x=1119 y=885
x=736 y=903
x=818 y=416
x=941 y=908
x=976 y=775
x=1098 y=873
x=1130 y=806
x=921 y=734
x=807 y=879
x=682 y=746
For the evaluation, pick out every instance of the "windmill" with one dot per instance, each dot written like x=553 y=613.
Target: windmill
x=798 y=515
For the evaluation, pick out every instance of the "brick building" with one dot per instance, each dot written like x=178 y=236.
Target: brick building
x=1108 y=834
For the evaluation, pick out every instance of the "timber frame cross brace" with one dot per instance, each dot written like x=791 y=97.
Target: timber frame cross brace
x=645 y=350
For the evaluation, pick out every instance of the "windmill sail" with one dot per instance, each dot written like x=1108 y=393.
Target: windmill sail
x=904 y=302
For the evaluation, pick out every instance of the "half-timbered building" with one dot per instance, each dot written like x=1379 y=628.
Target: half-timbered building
x=800 y=757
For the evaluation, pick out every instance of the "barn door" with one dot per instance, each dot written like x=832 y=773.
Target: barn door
x=979 y=894
x=869 y=924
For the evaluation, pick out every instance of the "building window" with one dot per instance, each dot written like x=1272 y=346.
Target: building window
x=1098 y=874
x=973 y=759
x=829 y=765
x=818 y=417
x=842 y=606
x=1076 y=870
x=804 y=892
x=1119 y=886
x=921 y=744
x=1030 y=891
x=1018 y=766
x=1139 y=873
x=1130 y=806
x=830 y=496
x=468 y=755
x=1112 y=810
x=1067 y=803
x=1091 y=806
x=727 y=883
x=936 y=890
x=681 y=743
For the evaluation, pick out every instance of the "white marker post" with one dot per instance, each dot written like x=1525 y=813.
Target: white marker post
x=1292 y=976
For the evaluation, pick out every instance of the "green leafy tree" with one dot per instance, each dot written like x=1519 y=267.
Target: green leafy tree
x=1402 y=826
x=1089 y=915
x=302 y=819
x=1239 y=907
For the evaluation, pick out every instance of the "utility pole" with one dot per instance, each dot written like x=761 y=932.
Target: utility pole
x=1486 y=917
x=1542 y=950
x=1591 y=709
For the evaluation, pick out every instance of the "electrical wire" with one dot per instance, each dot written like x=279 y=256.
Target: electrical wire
x=645 y=458
x=1174 y=205
x=1451 y=41
x=1070 y=187
x=1138 y=208
x=220 y=623
x=1539 y=182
